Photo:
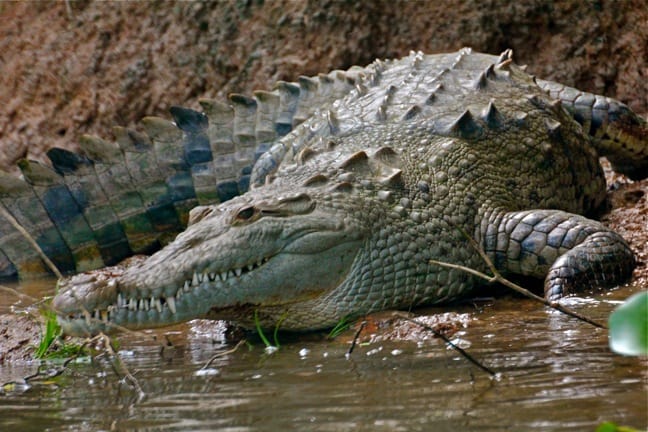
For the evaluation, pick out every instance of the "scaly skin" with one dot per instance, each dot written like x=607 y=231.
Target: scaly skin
x=348 y=209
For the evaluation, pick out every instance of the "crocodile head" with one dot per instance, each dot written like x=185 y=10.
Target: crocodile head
x=258 y=252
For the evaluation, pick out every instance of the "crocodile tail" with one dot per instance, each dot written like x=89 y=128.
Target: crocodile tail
x=20 y=205
x=618 y=133
x=115 y=199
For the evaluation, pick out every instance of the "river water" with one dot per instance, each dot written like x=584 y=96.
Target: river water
x=556 y=374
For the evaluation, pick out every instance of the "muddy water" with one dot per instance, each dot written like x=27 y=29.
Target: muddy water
x=557 y=374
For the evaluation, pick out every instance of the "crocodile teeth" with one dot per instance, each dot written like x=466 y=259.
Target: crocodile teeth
x=158 y=305
x=198 y=278
x=132 y=304
x=120 y=300
x=171 y=303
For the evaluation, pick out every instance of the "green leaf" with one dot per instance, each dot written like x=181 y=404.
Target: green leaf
x=52 y=331
x=607 y=427
x=629 y=326
x=613 y=427
x=340 y=327
x=47 y=348
x=259 y=330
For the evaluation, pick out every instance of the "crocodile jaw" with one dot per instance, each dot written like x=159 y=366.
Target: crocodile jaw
x=217 y=268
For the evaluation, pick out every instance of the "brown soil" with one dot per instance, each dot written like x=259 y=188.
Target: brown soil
x=68 y=68
x=19 y=335
x=629 y=217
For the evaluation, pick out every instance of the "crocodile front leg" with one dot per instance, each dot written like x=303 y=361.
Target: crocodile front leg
x=570 y=252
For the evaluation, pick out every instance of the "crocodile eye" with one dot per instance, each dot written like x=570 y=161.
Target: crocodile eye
x=245 y=214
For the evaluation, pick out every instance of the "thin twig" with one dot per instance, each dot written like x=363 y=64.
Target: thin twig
x=31 y=241
x=18 y=294
x=122 y=367
x=497 y=277
x=223 y=354
x=58 y=371
x=517 y=288
x=450 y=343
x=355 y=339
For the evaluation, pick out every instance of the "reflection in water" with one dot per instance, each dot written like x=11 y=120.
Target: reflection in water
x=557 y=374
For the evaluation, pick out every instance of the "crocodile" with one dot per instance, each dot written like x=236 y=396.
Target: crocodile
x=332 y=197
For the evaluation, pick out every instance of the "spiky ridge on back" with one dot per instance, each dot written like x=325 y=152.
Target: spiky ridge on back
x=479 y=101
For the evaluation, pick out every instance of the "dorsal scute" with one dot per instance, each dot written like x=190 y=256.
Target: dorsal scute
x=245 y=109
x=316 y=180
x=356 y=162
x=386 y=155
x=160 y=129
x=393 y=179
x=344 y=187
x=189 y=120
x=505 y=56
x=288 y=99
x=305 y=154
x=483 y=78
x=464 y=126
x=413 y=112
x=221 y=125
x=65 y=161
x=36 y=173
x=98 y=149
x=308 y=100
x=492 y=117
x=131 y=140
x=267 y=114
